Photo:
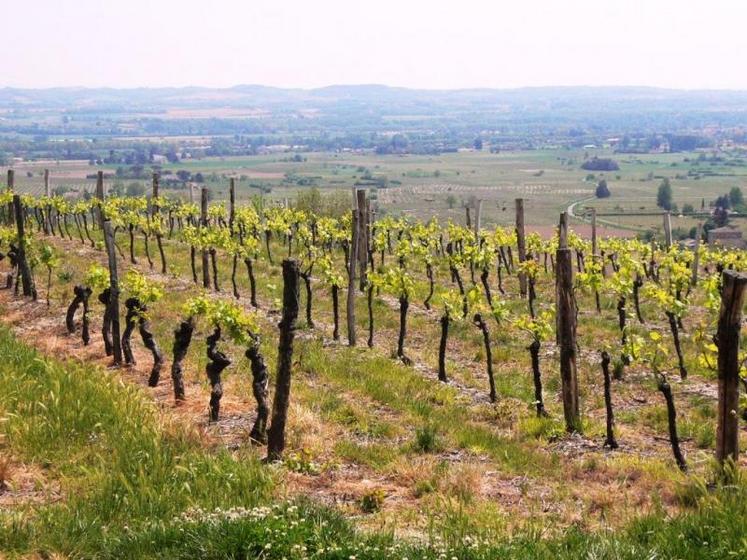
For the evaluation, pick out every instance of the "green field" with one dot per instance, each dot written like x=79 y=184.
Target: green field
x=425 y=186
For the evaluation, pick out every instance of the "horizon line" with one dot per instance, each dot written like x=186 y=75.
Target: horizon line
x=378 y=85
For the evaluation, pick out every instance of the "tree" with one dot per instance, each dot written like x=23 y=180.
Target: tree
x=664 y=195
x=602 y=190
x=135 y=189
x=600 y=164
x=723 y=202
x=688 y=209
x=478 y=144
x=183 y=175
x=736 y=197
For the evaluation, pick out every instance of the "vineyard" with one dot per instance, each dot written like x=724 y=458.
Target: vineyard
x=415 y=376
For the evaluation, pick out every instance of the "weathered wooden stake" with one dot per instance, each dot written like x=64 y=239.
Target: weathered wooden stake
x=100 y=196
x=521 y=243
x=594 y=244
x=478 y=217
x=231 y=204
x=204 y=224
x=351 y=272
x=46 y=212
x=155 y=215
x=27 y=281
x=696 y=259
x=287 y=327
x=11 y=181
x=362 y=207
x=566 y=327
x=668 y=229
x=113 y=291
x=727 y=340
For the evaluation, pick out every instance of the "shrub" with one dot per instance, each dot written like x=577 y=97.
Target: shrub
x=602 y=190
x=600 y=164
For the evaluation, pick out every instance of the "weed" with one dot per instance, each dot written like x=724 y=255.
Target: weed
x=372 y=500
x=427 y=439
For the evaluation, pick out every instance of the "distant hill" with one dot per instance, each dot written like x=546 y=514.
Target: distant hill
x=559 y=98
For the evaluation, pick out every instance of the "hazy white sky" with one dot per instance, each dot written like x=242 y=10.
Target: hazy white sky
x=414 y=43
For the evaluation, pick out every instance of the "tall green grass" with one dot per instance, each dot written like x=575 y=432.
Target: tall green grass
x=117 y=464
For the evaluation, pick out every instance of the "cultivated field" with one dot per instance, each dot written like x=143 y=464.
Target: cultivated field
x=425 y=186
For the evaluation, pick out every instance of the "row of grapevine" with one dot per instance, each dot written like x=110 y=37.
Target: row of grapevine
x=456 y=273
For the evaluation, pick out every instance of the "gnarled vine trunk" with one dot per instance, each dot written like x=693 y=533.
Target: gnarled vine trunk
x=336 y=312
x=534 y=349
x=404 y=304
x=259 y=388
x=131 y=304
x=480 y=322
x=666 y=390
x=431 y=287
x=214 y=265
x=80 y=297
x=218 y=362
x=671 y=317
x=106 y=326
x=149 y=342
x=182 y=339
x=306 y=276
x=369 y=297
x=233 y=277
x=442 y=347
x=252 y=282
x=610 y=440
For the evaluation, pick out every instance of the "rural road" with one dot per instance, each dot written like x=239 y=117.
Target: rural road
x=571 y=210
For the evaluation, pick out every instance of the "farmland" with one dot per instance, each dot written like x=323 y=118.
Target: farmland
x=426 y=186
x=371 y=436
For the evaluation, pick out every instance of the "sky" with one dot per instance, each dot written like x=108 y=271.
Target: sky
x=409 y=43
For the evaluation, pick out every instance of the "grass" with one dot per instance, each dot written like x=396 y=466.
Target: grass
x=117 y=462
x=357 y=407
x=137 y=486
x=454 y=458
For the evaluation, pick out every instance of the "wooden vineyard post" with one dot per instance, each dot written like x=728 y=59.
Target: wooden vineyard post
x=203 y=224
x=727 y=341
x=27 y=281
x=100 y=196
x=47 y=219
x=11 y=181
x=355 y=231
x=668 y=230
x=594 y=243
x=156 y=215
x=362 y=207
x=287 y=327
x=521 y=243
x=111 y=253
x=231 y=204
x=478 y=217
x=696 y=258
x=154 y=195
x=566 y=327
